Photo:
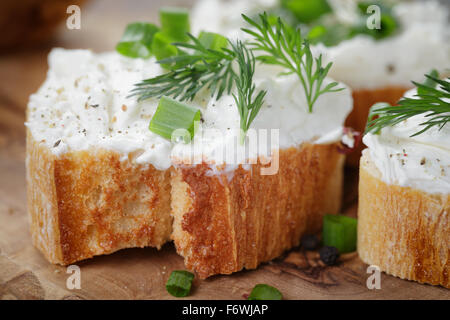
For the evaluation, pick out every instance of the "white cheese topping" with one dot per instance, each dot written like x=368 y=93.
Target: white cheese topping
x=421 y=162
x=422 y=44
x=84 y=104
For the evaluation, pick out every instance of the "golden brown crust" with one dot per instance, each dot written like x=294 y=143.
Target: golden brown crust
x=223 y=224
x=404 y=231
x=363 y=99
x=89 y=203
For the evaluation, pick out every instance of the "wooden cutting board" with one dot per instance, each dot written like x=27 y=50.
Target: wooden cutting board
x=142 y=273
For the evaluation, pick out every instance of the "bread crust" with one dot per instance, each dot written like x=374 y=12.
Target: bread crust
x=223 y=224
x=363 y=99
x=88 y=203
x=404 y=231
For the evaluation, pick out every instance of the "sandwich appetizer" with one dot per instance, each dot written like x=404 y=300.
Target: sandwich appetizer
x=126 y=148
x=404 y=189
x=377 y=64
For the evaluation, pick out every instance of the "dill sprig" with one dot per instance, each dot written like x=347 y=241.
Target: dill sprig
x=189 y=73
x=429 y=100
x=248 y=106
x=198 y=67
x=284 y=46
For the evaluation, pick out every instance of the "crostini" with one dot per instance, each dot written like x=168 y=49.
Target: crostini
x=404 y=188
x=105 y=172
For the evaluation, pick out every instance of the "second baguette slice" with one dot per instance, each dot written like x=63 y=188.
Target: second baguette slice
x=225 y=223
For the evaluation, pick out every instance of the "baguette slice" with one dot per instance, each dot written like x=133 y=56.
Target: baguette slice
x=224 y=223
x=88 y=203
x=363 y=99
x=403 y=231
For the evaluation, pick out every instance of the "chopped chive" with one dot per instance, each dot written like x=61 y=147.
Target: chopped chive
x=388 y=25
x=317 y=32
x=171 y=116
x=175 y=23
x=265 y=292
x=137 y=40
x=162 y=46
x=429 y=82
x=211 y=40
x=179 y=283
x=339 y=232
x=307 y=11
x=329 y=36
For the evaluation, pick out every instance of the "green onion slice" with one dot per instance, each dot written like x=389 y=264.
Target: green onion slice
x=388 y=25
x=307 y=11
x=211 y=40
x=162 y=47
x=265 y=292
x=137 y=40
x=174 y=120
x=175 y=23
x=340 y=232
x=433 y=73
x=179 y=283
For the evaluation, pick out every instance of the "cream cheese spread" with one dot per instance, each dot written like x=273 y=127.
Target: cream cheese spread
x=84 y=103
x=422 y=43
x=421 y=162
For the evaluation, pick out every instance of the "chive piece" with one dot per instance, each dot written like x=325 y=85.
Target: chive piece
x=137 y=39
x=265 y=292
x=175 y=23
x=428 y=82
x=172 y=115
x=213 y=41
x=179 y=283
x=162 y=47
x=388 y=23
x=329 y=36
x=307 y=11
x=340 y=232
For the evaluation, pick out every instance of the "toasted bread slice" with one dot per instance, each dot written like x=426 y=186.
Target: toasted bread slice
x=225 y=223
x=403 y=231
x=363 y=99
x=88 y=203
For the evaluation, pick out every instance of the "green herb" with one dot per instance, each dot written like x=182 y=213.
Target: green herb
x=205 y=63
x=204 y=68
x=339 y=232
x=428 y=82
x=162 y=47
x=307 y=10
x=265 y=292
x=137 y=40
x=211 y=40
x=179 y=283
x=248 y=106
x=175 y=23
x=286 y=48
x=429 y=100
x=388 y=26
x=174 y=119
x=328 y=35
x=388 y=23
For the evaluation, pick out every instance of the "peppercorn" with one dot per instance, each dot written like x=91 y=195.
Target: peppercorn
x=329 y=255
x=310 y=242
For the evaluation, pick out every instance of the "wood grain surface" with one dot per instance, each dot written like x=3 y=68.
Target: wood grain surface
x=142 y=273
